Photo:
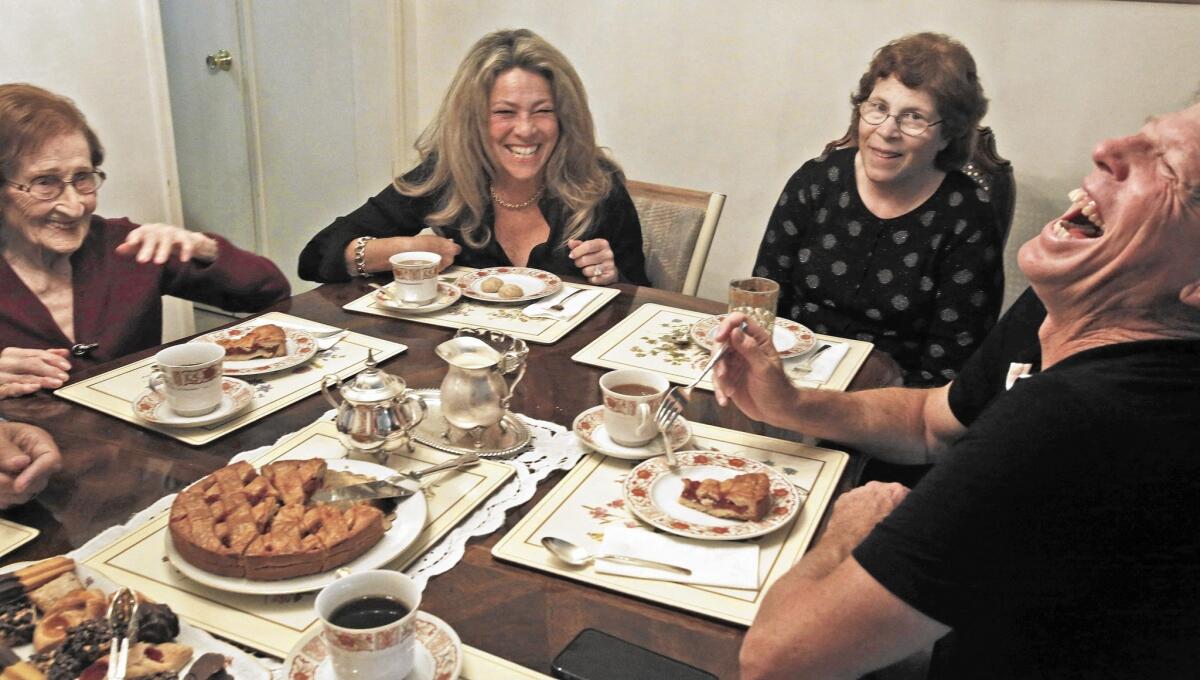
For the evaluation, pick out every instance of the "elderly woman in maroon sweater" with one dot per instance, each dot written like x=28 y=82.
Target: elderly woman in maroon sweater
x=80 y=289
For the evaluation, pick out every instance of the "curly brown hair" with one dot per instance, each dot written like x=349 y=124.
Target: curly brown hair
x=942 y=66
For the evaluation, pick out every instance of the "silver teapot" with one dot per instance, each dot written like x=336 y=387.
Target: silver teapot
x=477 y=390
x=376 y=411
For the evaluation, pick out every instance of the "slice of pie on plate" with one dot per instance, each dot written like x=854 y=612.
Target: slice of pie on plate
x=267 y=341
x=744 y=497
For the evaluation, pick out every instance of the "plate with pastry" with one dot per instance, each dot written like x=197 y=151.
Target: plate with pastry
x=711 y=495
x=257 y=531
x=55 y=614
x=790 y=338
x=266 y=348
x=508 y=284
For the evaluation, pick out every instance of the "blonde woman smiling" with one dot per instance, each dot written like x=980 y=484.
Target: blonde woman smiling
x=510 y=174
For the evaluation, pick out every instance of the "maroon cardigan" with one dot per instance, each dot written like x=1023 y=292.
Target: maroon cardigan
x=118 y=302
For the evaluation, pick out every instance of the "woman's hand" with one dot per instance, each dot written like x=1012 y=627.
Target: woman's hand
x=25 y=371
x=595 y=259
x=157 y=242
x=435 y=244
x=750 y=372
x=28 y=456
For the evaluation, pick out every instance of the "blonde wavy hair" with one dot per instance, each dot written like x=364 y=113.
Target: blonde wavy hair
x=455 y=144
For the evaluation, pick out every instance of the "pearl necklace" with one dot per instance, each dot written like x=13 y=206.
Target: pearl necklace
x=515 y=206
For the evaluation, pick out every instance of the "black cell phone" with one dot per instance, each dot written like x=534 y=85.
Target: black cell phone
x=596 y=655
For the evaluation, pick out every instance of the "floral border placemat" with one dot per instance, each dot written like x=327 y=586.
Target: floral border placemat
x=479 y=665
x=590 y=498
x=656 y=338
x=114 y=392
x=510 y=319
x=273 y=624
x=13 y=536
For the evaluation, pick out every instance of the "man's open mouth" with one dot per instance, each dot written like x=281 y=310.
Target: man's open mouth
x=1082 y=219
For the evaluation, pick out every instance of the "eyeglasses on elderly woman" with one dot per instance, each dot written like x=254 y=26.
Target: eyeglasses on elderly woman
x=50 y=187
x=911 y=123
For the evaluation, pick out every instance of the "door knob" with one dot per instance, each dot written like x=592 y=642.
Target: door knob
x=222 y=60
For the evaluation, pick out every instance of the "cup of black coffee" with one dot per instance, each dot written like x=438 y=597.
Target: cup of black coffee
x=369 y=620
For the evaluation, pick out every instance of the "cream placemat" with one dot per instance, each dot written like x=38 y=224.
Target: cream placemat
x=114 y=392
x=590 y=498
x=468 y=313
x=479 y=665
x=273 y=624
x=646 y=339
x=13 y=536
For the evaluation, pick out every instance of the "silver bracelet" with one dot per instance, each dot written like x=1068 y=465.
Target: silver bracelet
x=360 y=252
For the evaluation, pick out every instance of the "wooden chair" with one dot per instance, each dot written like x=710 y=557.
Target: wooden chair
x=677 y=230
x=986 y=167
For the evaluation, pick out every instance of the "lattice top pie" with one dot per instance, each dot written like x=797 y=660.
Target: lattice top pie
x=746 y=497
x=238 y=522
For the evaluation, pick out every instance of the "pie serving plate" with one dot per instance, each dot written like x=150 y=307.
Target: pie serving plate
x=236 y=396
x=589 y=428
x=438 y=653
x=790 y=338
x=407 y=524
x=652 y=493
x=448 y=294
x=535 y=283
x=301 y=346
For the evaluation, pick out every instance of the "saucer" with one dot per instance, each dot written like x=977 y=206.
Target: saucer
x=438 y=653
x=236 y=396
x=589 y=428
x=447 y=295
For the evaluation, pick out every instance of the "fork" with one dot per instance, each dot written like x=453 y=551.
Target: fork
x=806 y=364
x=558 y=306
x=676 y=399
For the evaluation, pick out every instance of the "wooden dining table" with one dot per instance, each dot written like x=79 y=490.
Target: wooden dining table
x=113 y=469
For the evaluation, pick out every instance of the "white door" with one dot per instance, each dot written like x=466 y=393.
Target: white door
x=302 y=128
x=208 y=107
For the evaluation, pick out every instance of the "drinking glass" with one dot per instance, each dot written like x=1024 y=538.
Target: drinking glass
x=756 y=297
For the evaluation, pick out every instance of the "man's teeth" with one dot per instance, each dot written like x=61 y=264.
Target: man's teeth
x=1076 y=195
x=1060 y=231
x=1087 y=207
x=1090 y=212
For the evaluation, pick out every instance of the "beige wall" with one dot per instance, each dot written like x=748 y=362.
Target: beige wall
x=734 y=96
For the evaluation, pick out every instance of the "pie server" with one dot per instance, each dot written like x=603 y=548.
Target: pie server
x=382 y=488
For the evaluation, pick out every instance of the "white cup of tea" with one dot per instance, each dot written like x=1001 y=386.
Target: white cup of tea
x=416 y=276
x=631 y=398
x=369 y=622
x=188 y=377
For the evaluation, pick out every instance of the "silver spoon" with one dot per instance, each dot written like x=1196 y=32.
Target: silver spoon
x=572 y=554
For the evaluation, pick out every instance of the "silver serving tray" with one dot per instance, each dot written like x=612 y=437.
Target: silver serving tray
x=498 y=442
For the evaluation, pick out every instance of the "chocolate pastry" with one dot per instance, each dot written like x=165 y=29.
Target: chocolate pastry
x=83 y=645
x=156 y=623
x=745 y=497
x=17 y=619
x=210 y=666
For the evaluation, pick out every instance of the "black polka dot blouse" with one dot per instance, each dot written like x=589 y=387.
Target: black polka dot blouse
x=925 y=287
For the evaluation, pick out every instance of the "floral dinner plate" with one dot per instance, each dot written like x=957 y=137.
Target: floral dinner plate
x=652 y=493
x=301 y=346
x=790 y=338
x=534 y=283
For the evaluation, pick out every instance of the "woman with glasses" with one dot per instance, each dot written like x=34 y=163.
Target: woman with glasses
x=510 y=174
x=887 y=240
x=80 y=289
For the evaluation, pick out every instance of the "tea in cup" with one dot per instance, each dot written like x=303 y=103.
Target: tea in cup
x=369 y=622
x=631 y=398
x=416 y=276
x=188 y=377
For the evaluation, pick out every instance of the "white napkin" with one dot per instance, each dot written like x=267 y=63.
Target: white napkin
x=825 y=365
x=541 y=308
x=730 y=564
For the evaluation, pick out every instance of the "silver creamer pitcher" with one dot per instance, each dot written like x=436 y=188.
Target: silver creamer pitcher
x=376 y=411
x=476 y=390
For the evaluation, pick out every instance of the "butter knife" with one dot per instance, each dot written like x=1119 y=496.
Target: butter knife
x=400 y=485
